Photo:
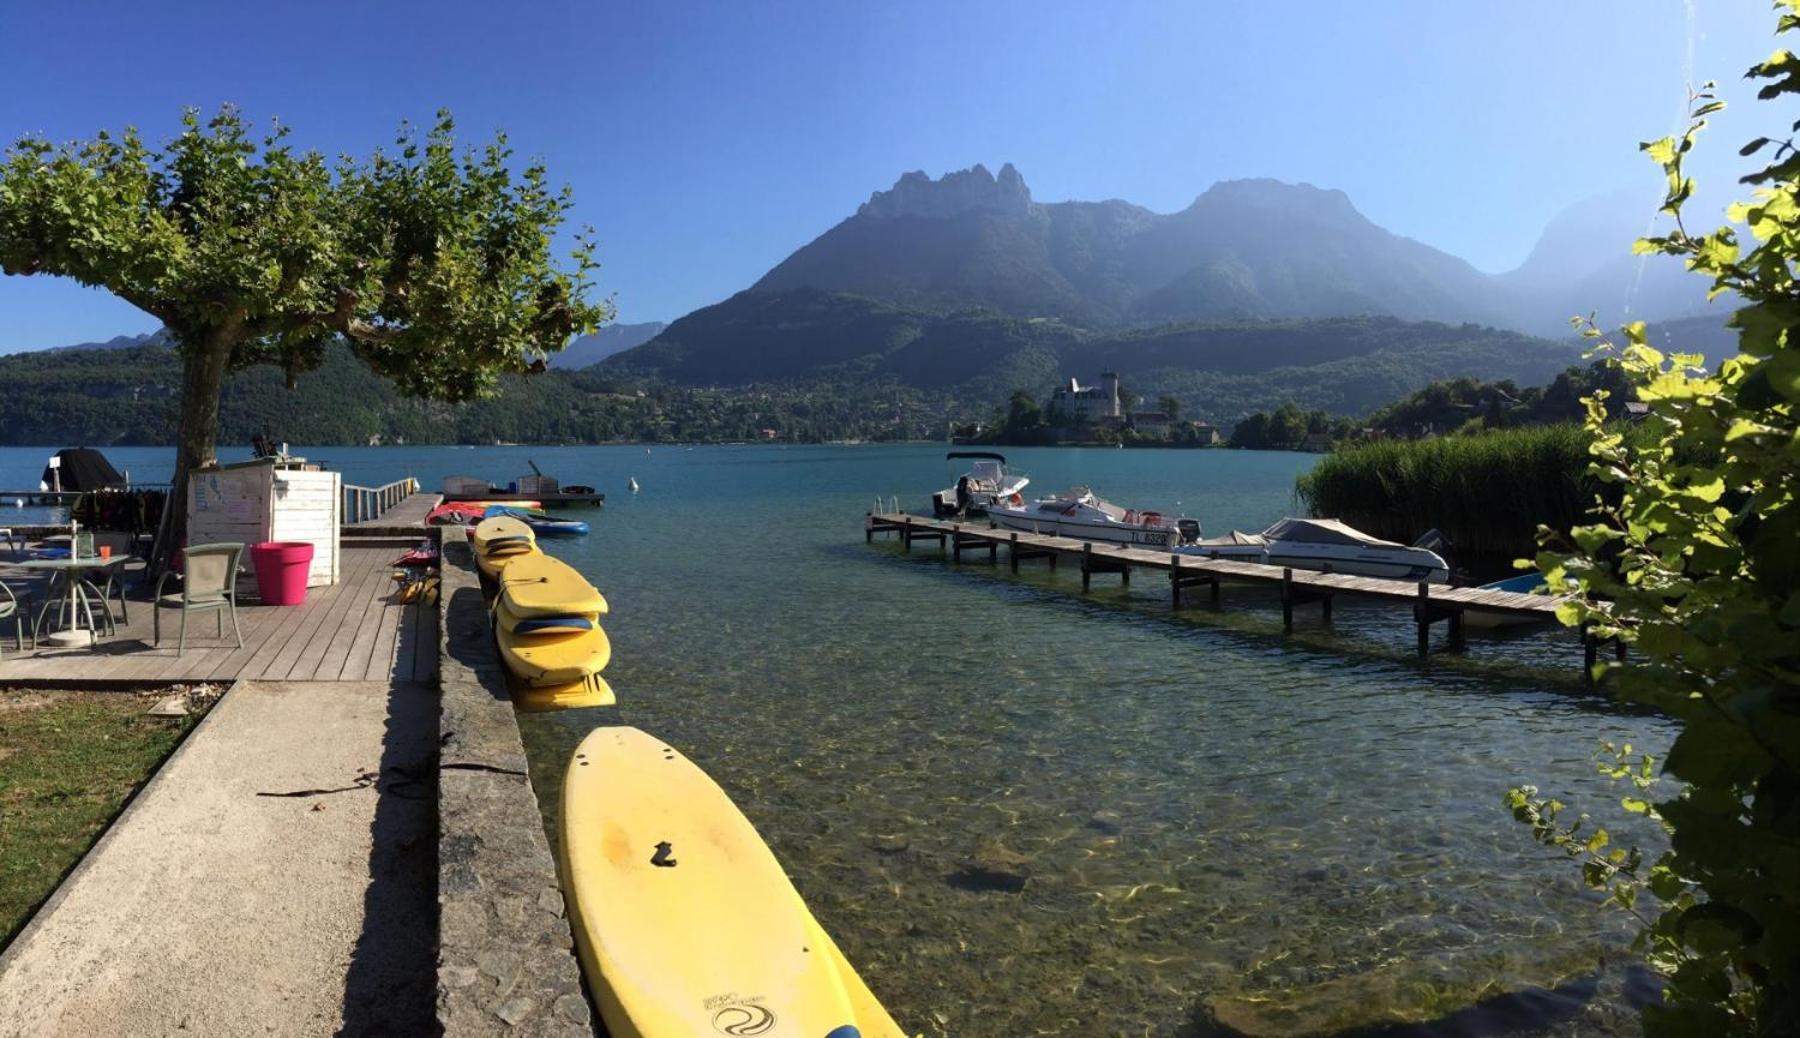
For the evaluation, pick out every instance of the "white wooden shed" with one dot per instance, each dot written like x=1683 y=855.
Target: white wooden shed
x=269 y=500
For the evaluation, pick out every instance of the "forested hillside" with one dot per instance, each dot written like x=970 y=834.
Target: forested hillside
x=128 y=396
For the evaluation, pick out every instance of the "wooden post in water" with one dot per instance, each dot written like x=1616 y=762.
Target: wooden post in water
x=1287 y=598
x=1012 y=550
x=1325 y=605
x=1087 y=559
x=1174 y=581
x=906 y=534
x=1456 y=631
x=1422 y=614
x=869 y=529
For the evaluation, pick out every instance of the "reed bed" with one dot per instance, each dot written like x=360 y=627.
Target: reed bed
x=1486 y=492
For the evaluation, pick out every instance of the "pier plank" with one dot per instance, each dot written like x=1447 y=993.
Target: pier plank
x=339 y=629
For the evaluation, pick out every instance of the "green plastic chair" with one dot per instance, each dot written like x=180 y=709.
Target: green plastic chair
x=209 y=586
x=10 y=609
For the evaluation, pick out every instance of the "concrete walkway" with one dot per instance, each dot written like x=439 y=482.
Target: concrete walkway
x=277 y=877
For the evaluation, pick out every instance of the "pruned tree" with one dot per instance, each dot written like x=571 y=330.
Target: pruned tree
x=436 y=267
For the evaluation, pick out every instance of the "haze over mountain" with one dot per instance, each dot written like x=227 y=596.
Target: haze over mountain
x=611 y=339
x=1243 y=248
x=928 y=262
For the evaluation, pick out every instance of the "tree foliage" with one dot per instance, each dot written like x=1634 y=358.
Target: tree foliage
x=1694 y=561
x=434 y=266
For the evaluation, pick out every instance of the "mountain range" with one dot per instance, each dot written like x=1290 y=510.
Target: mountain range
x=880 y=290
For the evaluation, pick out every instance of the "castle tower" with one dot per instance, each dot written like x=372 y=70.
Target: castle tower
x=1109 y=385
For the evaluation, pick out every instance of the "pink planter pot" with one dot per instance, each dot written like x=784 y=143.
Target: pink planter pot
x=281 y=569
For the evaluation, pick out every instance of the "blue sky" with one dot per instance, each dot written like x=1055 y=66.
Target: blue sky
x=707 y=141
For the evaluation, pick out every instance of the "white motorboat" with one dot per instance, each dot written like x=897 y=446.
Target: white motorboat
x=1079 y=513
x=985 y=484
x=1316 y=544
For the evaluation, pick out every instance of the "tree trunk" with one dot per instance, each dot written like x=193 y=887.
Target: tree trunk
x=204 y=359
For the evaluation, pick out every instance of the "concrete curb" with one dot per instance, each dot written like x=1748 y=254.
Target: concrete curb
x=506 y=961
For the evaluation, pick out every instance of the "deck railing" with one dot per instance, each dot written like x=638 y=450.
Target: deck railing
x=366 y=504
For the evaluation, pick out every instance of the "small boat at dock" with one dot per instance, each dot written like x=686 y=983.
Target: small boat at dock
x=985 y=485
x=1326 y=545
x=1081 y=514
x=1522 y=584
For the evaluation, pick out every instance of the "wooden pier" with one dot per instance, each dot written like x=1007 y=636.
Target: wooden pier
x=1431 y=603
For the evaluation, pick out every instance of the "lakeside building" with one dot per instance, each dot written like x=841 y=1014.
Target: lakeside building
x=1090 y=405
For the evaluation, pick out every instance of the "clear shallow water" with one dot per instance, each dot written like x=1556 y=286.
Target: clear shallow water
x=1206 y=810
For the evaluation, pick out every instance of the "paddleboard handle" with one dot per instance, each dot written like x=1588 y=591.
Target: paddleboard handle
x=661 y=858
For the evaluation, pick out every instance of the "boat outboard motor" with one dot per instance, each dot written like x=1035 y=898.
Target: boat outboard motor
x=1434 y=540
x=1188 y=530
x=963 y=496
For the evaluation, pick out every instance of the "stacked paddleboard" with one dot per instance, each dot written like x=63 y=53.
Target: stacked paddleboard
x=686 y=923
x=546 y=620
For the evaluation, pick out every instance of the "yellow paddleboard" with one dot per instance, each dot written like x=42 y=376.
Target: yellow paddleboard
x=554 y=659
x=541 y=585
x=686 y=924
x=589 y=691
x=507 y=620
x=501 y=527
x=492 y=563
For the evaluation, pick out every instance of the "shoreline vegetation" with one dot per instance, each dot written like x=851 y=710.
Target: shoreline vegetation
x=1488 y=493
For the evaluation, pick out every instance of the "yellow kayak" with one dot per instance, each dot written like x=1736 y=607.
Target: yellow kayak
x=685 y=922
x=589 y=691
x=542 y=585
x=556 y=658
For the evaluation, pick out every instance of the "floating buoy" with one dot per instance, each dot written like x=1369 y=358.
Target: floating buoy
x=632 y=481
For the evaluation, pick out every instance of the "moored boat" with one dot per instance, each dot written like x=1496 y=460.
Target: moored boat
x=1522 y=584
x=1080 y=513
x=987 y=484
x=1326 y=544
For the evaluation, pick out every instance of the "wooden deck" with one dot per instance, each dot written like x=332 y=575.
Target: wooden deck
x=409 y=512
x=355 y=630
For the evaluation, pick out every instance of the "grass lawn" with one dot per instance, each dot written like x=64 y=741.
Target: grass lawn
x=68 y=761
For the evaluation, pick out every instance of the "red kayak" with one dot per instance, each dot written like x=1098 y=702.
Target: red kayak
x=468 y=513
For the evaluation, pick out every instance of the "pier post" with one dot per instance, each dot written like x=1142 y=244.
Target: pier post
x=869 y=529
x=1287 y=598
x=1124 y=573
x=1456 y=631
x=1325 y=605
x=1087 y=558
x=1422 y=614
x=1174 y=581
x=906 y=534
x=1012 y=550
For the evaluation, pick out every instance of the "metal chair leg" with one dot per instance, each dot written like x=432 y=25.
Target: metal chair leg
x=181 y=639
x=234 y=626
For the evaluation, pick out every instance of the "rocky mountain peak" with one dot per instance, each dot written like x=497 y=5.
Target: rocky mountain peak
x=1269 y=193
x=974 y=189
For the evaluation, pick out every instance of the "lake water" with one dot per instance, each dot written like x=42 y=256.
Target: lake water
x=1210 y=813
